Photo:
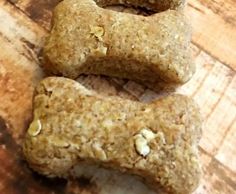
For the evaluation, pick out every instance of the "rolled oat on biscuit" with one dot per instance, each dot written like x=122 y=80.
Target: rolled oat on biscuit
x=88 y=39
x=157 y=141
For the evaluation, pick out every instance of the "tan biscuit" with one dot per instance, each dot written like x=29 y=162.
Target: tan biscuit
x=87 y=39
x=156 y=141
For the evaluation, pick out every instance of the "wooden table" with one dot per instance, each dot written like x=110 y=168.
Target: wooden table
x=23 y=27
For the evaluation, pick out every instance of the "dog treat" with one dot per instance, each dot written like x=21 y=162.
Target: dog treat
x=154 y=5
x=88 y=39
x=157 y=141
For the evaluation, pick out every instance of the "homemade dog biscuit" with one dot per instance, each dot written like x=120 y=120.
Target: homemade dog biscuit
x=156 y=141
x=88 y=39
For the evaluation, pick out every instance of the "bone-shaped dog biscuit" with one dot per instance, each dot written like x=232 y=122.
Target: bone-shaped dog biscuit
x=88 y=39
x=156 y=141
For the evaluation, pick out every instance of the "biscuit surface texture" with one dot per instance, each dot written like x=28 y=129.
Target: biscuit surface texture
x=88 y=39
x=156 y=141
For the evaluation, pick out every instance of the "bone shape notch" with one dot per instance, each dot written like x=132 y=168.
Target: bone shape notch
x=156 y=141
x=153 y=49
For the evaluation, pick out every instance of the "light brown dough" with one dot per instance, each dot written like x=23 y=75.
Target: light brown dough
x=156 y=141
x=87 y=39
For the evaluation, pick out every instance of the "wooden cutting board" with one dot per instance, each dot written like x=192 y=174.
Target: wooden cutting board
x=23 y=27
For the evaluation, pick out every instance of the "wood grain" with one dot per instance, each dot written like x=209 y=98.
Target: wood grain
x=23 y=27
x=21 y=40
x=214 y=24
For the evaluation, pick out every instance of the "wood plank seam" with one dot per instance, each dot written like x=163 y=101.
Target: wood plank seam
x=215 y=161
x=202 y=82
x=213 y=56
x=219 y=99
x=221 y=7
x=214 y=26
x=224 y=136
x=195 y=7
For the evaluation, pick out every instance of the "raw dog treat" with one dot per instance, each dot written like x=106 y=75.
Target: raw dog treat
x=156 y=141
x=88 y=39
